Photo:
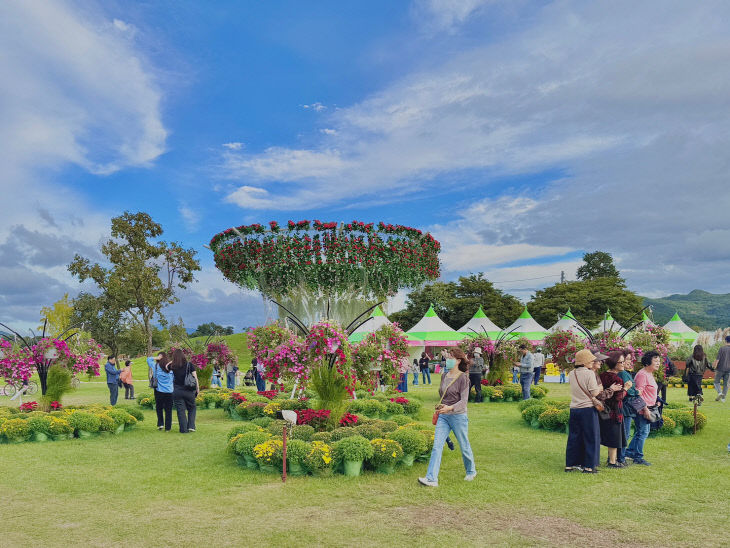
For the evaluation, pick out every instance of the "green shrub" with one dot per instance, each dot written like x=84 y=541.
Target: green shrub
x=15 y=429
x=373 y=408
x=411 y=440
x=676 y=405
x=134 y=411
x=263 y=422
x=106 y=423
x=276 y=427
x=232 y=442
x=532 y=412
x=297 y=450
x=392 y=408
x=550 y=419
x=524 y=404
x=248 y=441
x=513 y=391
x=413 y=406
x=538 y=392
x=41 y=424
x=325 y=437
x=369 y=431
x=83 y=420
x=401 y=420
x=242 y=429
x=60 y=426
x=701 y=420
x=302 y=432
x=386 y=426
x=668 y=427
x=385 y=451
x=341 y=433
x=564 y=416
x=355 y=406
x=353 y=448
x=560 y=404
x=294 y=405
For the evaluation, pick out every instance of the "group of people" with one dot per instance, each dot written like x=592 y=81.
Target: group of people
x=529 y=369
x=117 y=378
x=175 y=382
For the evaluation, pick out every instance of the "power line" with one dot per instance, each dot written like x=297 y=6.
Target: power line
x=526 y=279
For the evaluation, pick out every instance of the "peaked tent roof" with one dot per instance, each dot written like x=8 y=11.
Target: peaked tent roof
x=480 y=323
x=566 y=323
x=645 y=321
x=432 y=329
x=608 y=323
x=376 y=321
x=526 y=326
x=679 y=331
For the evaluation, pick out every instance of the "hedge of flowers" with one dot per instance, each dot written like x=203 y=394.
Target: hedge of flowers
x=376 y=432
x=507 y=392
x=19 y=363
x=555 y=415
x=28 y=424
x=315 y=255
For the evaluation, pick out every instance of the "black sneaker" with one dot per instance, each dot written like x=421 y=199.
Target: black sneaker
x=642 y=462
x=614 y=465
x=589 y=471
x=450 y=443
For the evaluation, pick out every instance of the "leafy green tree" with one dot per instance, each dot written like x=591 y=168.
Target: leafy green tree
x=598 y=264
x=102 y=318
x=133 y=341
x=143 y=273
x=58 y=316
x=211 y=328
x=457 y=302
x=588 y=301
x=178 y=331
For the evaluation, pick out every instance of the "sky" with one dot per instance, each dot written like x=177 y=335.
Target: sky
x=520 y=134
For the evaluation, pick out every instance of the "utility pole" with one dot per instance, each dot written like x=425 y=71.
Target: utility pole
x=562 y=276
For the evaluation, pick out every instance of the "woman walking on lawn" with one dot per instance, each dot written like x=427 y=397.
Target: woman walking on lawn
x=161 y=381
x=184 y=396
x=584 y=444
x=696 y=367
x=126 y=377
x=454 y=392
x=613 y=435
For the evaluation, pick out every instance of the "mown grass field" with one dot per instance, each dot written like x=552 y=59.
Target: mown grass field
x=150 y=488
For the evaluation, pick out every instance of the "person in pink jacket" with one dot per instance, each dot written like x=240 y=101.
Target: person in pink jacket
x=647 y=388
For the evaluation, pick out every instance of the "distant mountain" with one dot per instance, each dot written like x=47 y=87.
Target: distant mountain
x=698 y=308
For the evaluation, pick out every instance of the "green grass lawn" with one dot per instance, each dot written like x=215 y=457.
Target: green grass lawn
x=147 y=487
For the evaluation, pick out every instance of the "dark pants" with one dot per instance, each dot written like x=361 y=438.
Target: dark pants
x=526 y=382
x=584 y=440
x=113 y=393
x=475 y=380
x=231 y=380
x=538 y=372
x=663 y=391
x=163 y=402
x=128 y=391
x=426 y=373
x=186 y=409
x=260 y=381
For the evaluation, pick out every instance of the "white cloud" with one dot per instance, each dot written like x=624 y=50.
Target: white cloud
x=328 y=131
x=233 y=146
x=447 y=15
x=122 y=26
x=190 y=217
x=317 y=107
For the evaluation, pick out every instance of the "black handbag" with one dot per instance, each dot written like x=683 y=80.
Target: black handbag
x=153 y=379
x=190 y=381
x=120 y=383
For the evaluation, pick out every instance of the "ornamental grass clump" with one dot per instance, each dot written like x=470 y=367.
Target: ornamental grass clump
x=386 y=452
x=58 y=382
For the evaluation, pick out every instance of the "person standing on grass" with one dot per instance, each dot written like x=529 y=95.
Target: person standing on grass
x=414 y=370
x=631 y=392
x=112 y=379
x=425 y=368
x=161 y=382
x=647 y=388
x=259 y=373
x=722 y=370
x=527 y=370
x=231 y=369
x=538 y=362
x=697 y=364
x=127 y=381
x=454 y=392
x=583 y=449
x=215 y=379
x=183 y=396
x=476 y=370
x=613 y=435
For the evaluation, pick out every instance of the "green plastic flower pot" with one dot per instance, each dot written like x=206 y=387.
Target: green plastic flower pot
x=295 y=468
x=18 y=440
x=385 y=468
x=211 y=405
x=678 y=431
x=352 y=468
x=509 y=399
x=240 y=460
x=84 y=434
x=251 y=462
x=408 y=459
x=119 y=429
x=268 y=468
x=59 y=437
x=39 y=436
x=322 y=472
x=535 y=423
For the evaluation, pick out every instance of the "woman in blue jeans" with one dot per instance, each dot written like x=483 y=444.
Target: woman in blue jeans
x=452 y=417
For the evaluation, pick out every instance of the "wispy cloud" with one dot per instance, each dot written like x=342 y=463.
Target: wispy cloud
x=233 y=146
x=317 y=107
x=190 y=217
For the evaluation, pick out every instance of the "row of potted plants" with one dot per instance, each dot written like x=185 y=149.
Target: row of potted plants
x=509 y=392
x=373 y=445
x=677 y=382
x=555 y=415
x=18 y=426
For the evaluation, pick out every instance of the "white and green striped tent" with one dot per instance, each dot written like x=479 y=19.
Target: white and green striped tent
x=567 y=323
x=481 y=324
x=433 y=331
x=376 y=321
x=680 y=332
x=607 y=324
x=526 y=326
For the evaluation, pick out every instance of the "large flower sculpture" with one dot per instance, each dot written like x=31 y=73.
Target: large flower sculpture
x=312 y=260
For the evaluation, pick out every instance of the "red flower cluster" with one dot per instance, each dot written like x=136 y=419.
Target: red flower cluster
x=485 y=382
x=56 y=405
x=348 y=419
x=29 y=406
x=238 y=397
x=313 y=417
x=401 y=400
x=271 y=394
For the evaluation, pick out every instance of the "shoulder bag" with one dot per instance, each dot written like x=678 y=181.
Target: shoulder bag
x=435 y=417
x=190 y=381
x=596 y=402
x=153 y=379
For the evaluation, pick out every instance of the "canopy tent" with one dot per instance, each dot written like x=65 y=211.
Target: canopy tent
x=377 y=320
x=567 y=323
x=526 y=326
x=679 y=331
x=432 y=331
x=607 y=324
x=645 y=321
x=481 y=324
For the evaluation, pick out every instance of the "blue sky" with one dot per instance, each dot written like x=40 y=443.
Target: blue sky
x=520 y=133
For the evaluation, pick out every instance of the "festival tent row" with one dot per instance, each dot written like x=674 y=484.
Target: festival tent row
x=679 y=331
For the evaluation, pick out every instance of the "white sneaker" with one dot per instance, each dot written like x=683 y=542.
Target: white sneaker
x=424 y=481
x=723 y=400
x=470 y=477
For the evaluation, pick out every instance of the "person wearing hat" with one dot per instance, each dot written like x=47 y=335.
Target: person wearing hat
x=583 y=449
x=476 y=370
x=538 y=362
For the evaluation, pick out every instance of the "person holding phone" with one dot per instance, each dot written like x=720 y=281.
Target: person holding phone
x=451 y=410
x=183 y=395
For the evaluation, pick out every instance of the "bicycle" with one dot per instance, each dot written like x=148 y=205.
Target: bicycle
x=13 y=386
